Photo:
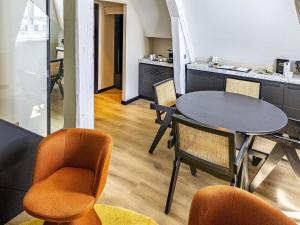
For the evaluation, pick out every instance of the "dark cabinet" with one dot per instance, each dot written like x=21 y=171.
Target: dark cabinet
x=272 y=92
x=284 y=96
x=219 y=82
x=199 y=81
x=292 y=101
x=292 y=96
x=150 y=75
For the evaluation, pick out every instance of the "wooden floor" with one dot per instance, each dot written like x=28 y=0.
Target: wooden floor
x=140 y=181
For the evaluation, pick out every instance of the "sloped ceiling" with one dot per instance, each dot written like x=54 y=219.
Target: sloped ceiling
x=249 y=31
x=155 y=17
x=59 y=8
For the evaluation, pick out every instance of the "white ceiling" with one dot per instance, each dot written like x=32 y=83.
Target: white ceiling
x=155 y=17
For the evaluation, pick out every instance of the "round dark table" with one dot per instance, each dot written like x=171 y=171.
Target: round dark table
x=235 y=112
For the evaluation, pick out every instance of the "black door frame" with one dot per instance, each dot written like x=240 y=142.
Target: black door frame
x=96 y=47
x=48 y=70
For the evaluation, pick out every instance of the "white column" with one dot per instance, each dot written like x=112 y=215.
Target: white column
x=182 y=47
x=79 y=63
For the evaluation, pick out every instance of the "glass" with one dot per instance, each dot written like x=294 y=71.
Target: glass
x=23 y=63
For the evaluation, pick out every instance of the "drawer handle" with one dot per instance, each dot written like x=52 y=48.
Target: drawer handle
x=293 y=88
x=272 y=85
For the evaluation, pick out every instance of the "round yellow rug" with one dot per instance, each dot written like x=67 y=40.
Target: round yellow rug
x=111 y=215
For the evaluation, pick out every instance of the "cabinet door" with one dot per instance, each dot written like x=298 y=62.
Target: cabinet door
x=150 y=75
x=272 y=92
x=292 y=96
x=292 y=112
x=219 y=82
x=199 y=81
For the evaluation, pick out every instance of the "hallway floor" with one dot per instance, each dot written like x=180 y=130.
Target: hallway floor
x=139 y=181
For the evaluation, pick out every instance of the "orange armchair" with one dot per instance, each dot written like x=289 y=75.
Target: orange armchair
x=225 y=205
x=70 y=175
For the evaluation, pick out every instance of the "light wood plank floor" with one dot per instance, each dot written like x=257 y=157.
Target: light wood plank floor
x=140 y=181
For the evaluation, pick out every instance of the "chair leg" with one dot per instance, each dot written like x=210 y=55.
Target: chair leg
x=238 y=177
x=52 y=86
x=164 y=126
x=61 y=89
x=172 y=184
x=193 y=170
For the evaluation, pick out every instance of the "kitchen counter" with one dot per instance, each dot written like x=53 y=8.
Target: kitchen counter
x=148 y=61
x=252 y=74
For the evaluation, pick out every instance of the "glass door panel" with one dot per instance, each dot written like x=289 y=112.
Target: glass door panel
x=24 y=63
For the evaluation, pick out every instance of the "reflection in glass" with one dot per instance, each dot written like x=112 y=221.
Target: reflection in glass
x=23 y=63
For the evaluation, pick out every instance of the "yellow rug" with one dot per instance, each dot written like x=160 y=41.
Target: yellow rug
x=111 y=215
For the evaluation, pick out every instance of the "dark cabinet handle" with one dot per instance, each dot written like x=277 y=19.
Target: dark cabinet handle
x=293 y=88
x=271 y=85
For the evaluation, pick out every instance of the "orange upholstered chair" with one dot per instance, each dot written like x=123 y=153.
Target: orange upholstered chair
x=70 y=174
x=225 y=205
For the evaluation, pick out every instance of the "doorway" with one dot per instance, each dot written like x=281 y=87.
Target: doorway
x=109 y=35
x=118 y=51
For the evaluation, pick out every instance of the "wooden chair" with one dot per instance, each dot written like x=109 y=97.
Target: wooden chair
x=60 y=54
x=56 y=74
x=224 y=205
x=243 y=87
x=165 y=101
x=207 y=148
x=251 y=89
x=287 y=144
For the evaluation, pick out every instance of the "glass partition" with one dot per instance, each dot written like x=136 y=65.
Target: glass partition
x=24 y=76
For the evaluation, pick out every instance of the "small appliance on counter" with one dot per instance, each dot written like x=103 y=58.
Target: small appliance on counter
x=170 y=59
x=280 y=65
x=297 y=65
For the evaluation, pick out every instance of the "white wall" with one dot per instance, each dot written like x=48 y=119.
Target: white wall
x=160 y=46
x=106 y=49
x=253 y=32
x=79 y=63
x=154 y=17
x=136 y=47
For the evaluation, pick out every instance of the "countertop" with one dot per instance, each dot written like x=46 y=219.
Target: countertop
x=252 y=74
x=148 y=61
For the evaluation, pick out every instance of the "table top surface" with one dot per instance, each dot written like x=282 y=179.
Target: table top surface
x=232 y=111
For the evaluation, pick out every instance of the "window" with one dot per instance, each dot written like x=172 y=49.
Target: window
x=34 y=24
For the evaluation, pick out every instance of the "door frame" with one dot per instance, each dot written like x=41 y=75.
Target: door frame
x=48 y=69
x=100 y=30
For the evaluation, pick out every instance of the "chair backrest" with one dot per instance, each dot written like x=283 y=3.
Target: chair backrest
x=79 y=148
x=165 y=93
x=55 y=68
x=223 y=201
x=215 y=148
x=243 y=87
x=60 y=54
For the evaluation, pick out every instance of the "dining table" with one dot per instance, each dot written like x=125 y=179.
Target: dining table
x=239 y=113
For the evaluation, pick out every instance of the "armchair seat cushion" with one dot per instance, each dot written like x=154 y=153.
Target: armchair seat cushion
x=64 y=196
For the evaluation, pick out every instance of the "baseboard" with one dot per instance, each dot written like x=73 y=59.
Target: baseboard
x=147 y=98
x=104 y=89
x=130 y=101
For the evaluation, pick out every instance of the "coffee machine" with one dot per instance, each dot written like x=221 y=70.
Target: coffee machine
x=170 y=58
